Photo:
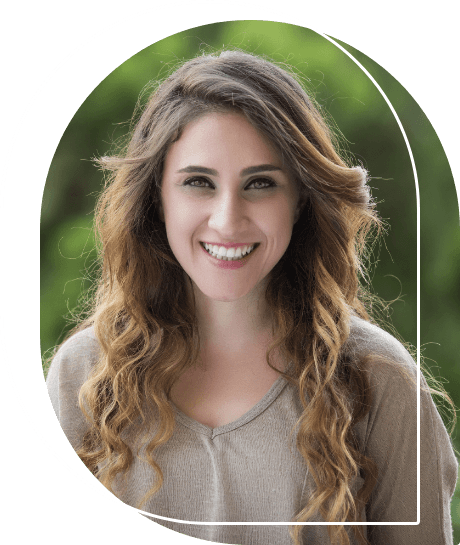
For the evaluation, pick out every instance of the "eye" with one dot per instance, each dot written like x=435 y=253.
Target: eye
x=197 y=181
x=261 y=183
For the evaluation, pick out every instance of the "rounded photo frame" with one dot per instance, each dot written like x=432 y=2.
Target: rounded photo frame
x=331 y=95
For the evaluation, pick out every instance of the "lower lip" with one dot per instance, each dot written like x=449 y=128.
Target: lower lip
x=228 y=264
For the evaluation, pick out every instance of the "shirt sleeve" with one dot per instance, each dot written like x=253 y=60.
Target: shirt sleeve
x=390 y=439
x=69 y=369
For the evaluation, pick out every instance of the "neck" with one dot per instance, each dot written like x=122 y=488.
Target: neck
x=229 y=328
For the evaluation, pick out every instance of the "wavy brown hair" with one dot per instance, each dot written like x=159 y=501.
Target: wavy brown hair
x=146 y=325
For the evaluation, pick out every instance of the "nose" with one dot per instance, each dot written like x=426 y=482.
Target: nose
x=229 y=215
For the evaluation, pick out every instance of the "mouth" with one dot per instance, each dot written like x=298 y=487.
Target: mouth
x=229 y=254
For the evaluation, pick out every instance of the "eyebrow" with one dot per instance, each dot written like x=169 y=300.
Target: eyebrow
x=245 y=172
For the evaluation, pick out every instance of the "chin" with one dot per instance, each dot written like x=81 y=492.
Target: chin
x=221 y=294
x=224 y=297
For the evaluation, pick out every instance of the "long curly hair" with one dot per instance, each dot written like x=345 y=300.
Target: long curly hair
x=147 y=327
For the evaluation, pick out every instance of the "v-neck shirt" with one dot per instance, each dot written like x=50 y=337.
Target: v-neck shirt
x=250 y=470
x=253 y=413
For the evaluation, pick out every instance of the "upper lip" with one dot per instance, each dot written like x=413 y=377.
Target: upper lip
x=230 y=244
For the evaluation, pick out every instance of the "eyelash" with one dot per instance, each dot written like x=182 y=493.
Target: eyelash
x=189 y=182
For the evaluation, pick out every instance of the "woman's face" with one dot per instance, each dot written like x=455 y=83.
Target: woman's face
x=224 y=186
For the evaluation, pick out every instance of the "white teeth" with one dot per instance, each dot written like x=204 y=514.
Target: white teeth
x=220 y=252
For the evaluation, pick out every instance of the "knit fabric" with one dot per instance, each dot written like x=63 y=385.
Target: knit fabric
x=250 y=470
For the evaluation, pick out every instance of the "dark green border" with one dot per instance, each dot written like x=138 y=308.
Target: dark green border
x=43 y=501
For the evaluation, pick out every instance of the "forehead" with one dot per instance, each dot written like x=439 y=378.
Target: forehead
x=221 y=139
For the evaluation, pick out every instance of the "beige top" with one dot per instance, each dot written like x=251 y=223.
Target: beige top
x=249 y=470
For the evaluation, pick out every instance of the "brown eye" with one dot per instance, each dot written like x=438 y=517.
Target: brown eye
x=261 y=183
x=198 y=182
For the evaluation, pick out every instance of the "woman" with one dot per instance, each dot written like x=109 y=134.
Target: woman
x=230 y=370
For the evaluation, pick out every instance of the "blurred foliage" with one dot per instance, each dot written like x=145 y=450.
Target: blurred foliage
x=371 y=135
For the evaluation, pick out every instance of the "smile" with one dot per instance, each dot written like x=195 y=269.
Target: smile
x=229 y=254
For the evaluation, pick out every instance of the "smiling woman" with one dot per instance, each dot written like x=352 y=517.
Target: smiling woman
x=230 y=371
x=242 y=215
x=246 y=200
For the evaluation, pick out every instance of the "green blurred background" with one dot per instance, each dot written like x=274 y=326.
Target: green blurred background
x=371 y=134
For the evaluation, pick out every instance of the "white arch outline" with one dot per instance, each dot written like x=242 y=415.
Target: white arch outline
x=4 y=174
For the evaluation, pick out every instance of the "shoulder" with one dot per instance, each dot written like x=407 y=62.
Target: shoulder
x=388 y=364
x=392 y=383
x=399 y=417
x=367 y=340
x=75 y=357
x=82 y=345
x=84 y=338
x=69 y=370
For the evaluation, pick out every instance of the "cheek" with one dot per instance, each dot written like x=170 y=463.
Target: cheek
x=181 y=222
x=278 y=220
